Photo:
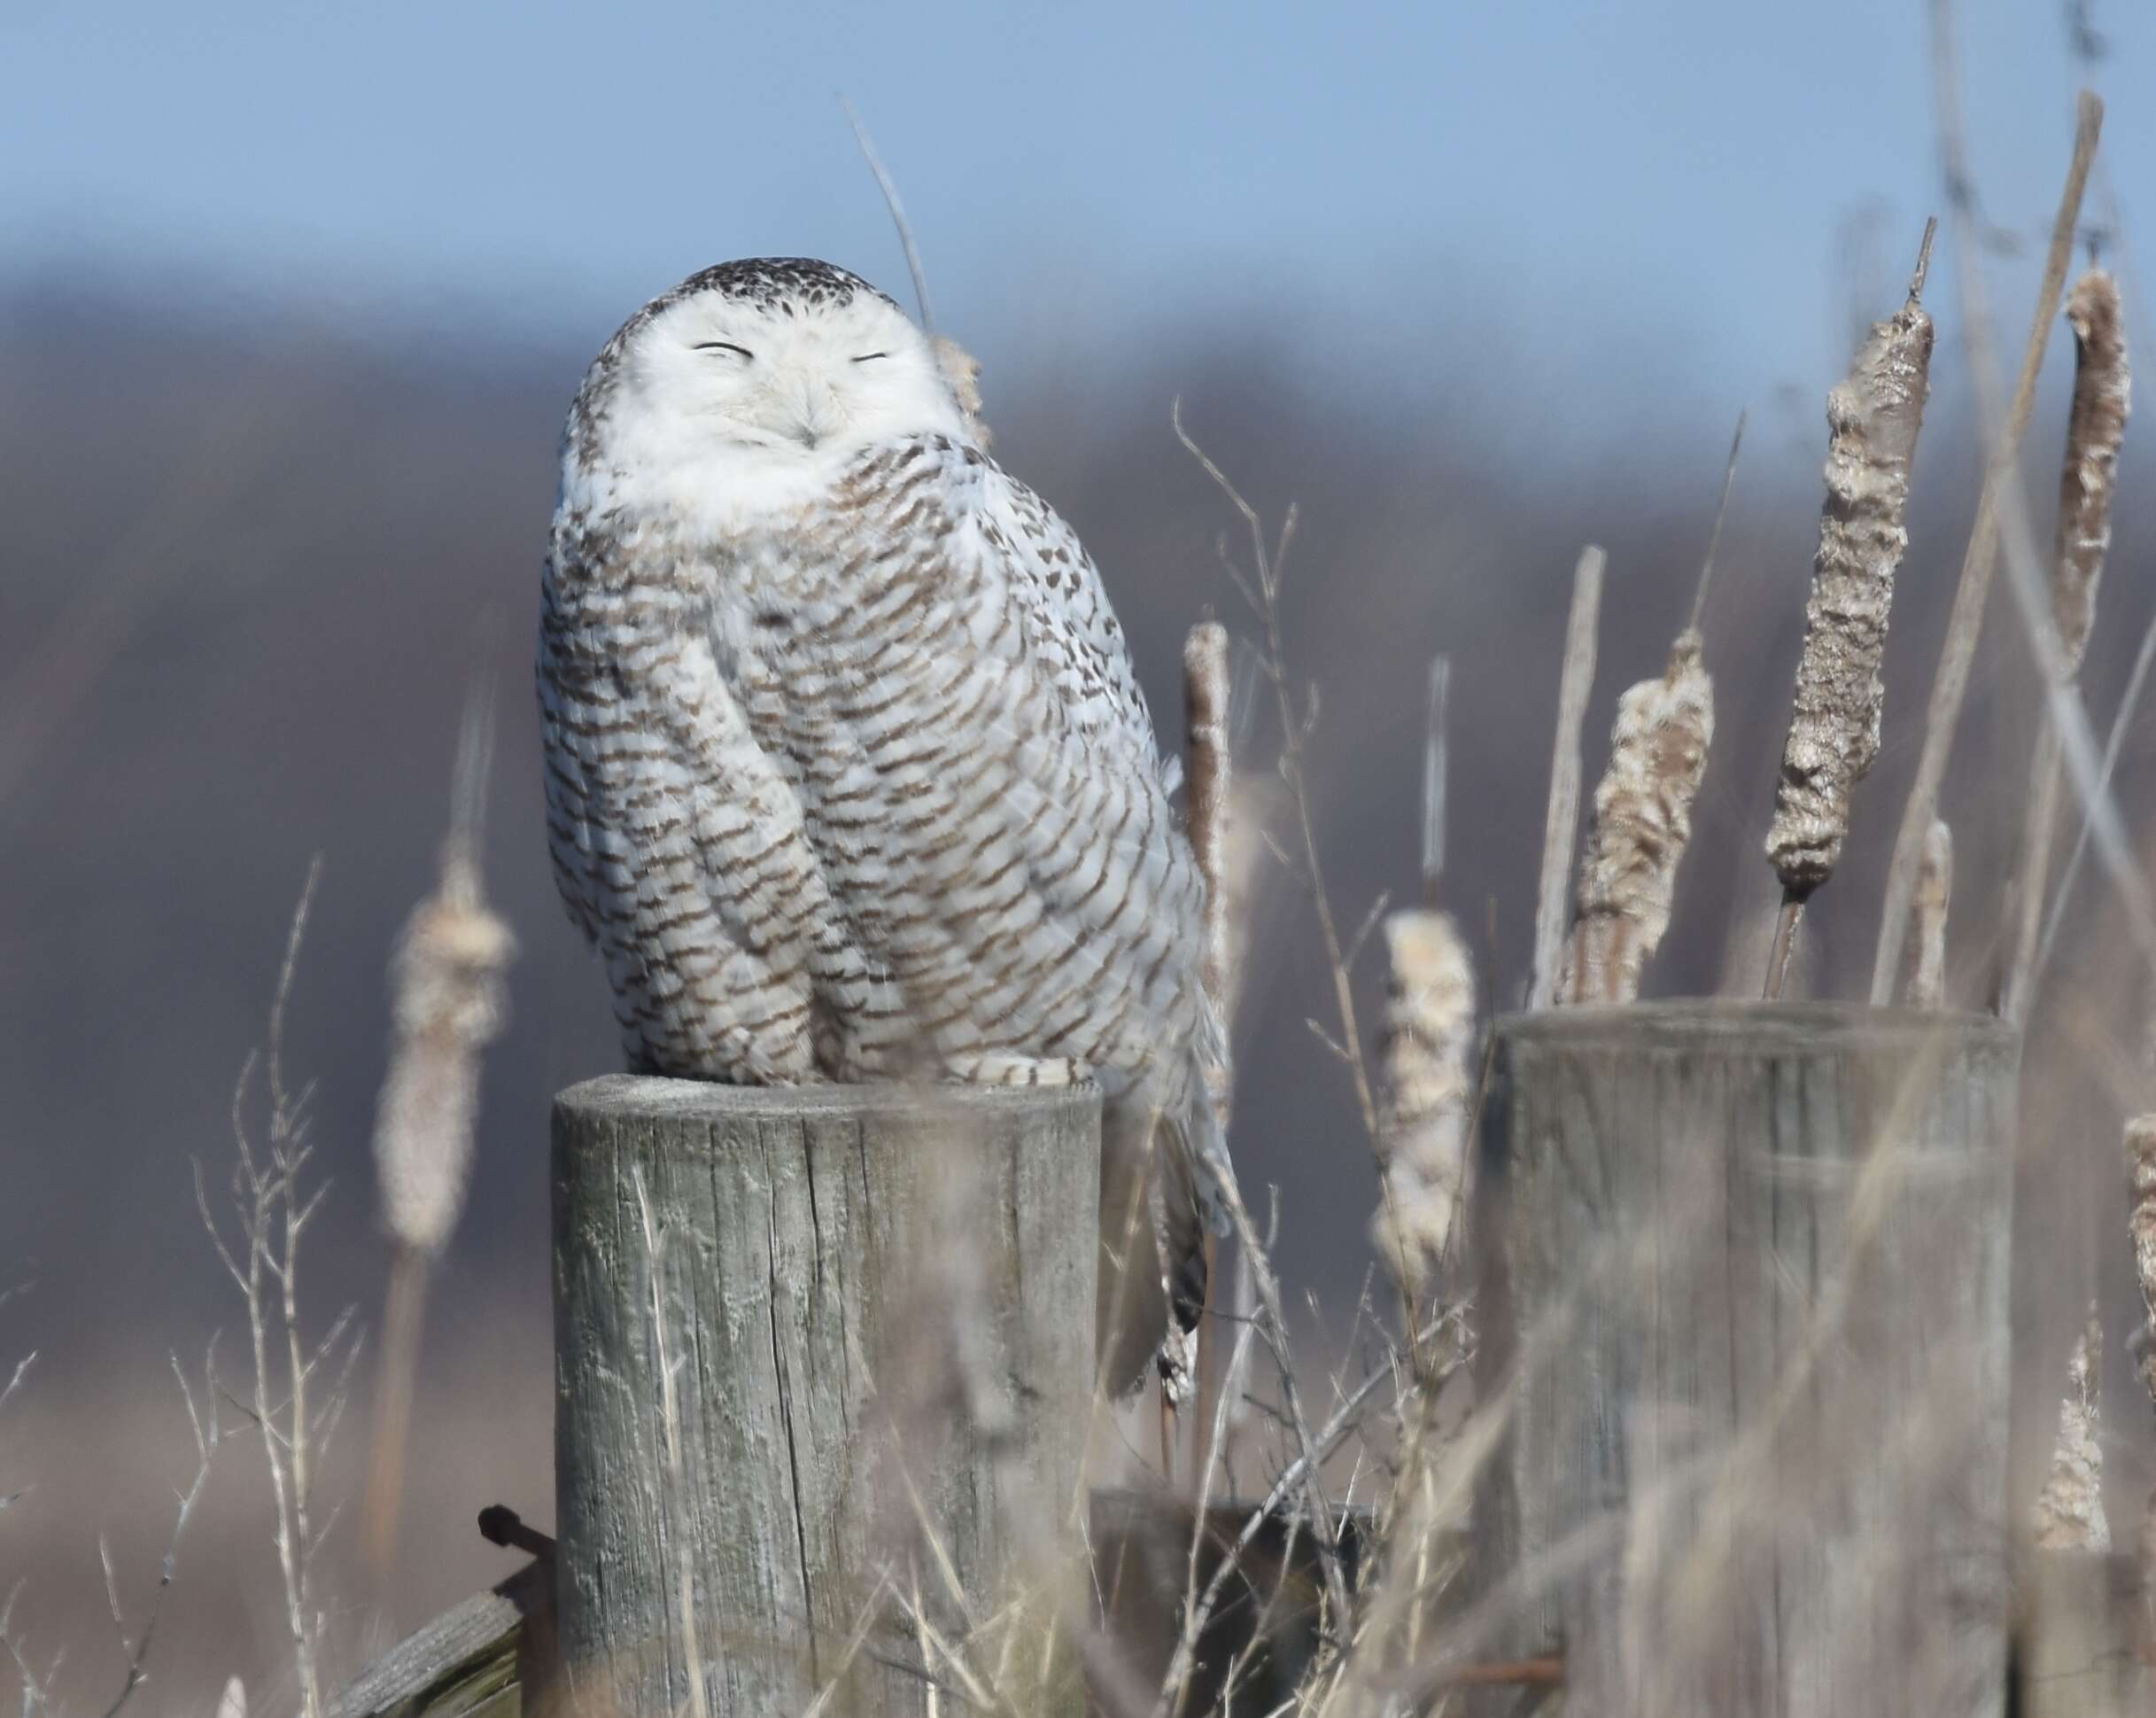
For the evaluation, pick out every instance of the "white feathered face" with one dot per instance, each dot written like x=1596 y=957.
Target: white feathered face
x=789 y=374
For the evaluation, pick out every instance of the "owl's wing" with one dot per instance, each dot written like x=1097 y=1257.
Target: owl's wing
x=1056 y=591
x=678 y=844
x=1040 y=895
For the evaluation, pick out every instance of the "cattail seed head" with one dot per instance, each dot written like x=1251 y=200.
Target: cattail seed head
x=1422 y=1134
x=1927 y=987
x=1642 y=821
x=1872 y=418
x=2141 y=1227
x=2070 y=1508
x=962 y=375
x=2103 y=384
x=448 y=1003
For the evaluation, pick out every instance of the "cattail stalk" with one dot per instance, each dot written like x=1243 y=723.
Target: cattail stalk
x=1561 y=820
x=1428 y=1089
x=1872 y=417
x=2070 y=1508
x=1958 y=656
x=1927 y=986
x=2102 y=400
x=447 y=1004
x=1437 y=758
x=1642 y=821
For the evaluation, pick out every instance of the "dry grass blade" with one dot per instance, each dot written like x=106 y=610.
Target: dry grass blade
x=2070 y=1508
x=1873 y=418
x=890 y=188
x=1927 y=986
x=1959 y=656
x=1561 y=820
x=1642 y=823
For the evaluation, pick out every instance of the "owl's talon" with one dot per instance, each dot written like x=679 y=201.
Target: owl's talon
x=1008 y=1067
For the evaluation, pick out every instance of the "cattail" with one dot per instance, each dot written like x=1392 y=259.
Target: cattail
x=1561 y=818
x=446 y=977
x=2070 y=1508
x=1927 y=986
x=1872 y=418
x=1642 y=820
x=962 y=375
x=447 y=1004
x=1422 y=1133
x=2141 y=1225
x=2102 y=398
x=2102 y=391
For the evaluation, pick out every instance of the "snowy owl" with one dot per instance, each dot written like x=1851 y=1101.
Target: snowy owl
x=848 y=776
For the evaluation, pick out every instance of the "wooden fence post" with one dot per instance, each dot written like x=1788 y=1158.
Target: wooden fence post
x=824 y=1363
x=2085 y=1636
x=1744 y=1274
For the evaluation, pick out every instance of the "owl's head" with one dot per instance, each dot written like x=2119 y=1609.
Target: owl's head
x=791 y=360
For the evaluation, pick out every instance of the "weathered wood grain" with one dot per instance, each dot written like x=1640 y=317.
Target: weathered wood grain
x=2084 y=1636
x=879 y=1310
x=474 y=1661
x=1744 y=1269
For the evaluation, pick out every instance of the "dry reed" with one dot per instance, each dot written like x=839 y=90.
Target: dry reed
x=1561 y=820
x=1873 y=416
x=1642 y=823
x=1428 y=1074
x=2102 y=398
x=2070 y=1508
x=447 y=1004
x=1957 y=655
x=2103 y=383
x=1927 y=986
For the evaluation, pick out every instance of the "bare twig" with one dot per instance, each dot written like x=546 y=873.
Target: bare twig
x=274 y=1211
x=1959 y=655
x=1561 y=817
x=1261 y=591
x=202 y=1421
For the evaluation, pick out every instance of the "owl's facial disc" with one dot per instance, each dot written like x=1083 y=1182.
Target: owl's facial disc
x=789 y=377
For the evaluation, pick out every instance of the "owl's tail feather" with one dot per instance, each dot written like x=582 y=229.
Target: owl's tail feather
x=1162 y=1175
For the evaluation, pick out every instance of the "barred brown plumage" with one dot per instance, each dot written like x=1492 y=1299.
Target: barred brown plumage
x=849 y=774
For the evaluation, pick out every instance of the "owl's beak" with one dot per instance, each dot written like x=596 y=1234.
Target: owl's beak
x=813 y=412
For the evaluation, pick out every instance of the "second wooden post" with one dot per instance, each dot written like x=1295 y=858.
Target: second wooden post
x=824 y=1367
x=1744 y=1315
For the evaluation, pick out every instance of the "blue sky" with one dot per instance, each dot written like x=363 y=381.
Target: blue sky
x=1663 y=180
